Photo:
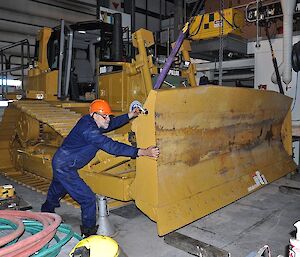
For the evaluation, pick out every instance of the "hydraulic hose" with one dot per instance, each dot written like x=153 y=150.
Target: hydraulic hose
x=274 y=60
x=55 y=249
x=16 y=233
x=34 y=243
x=42 y=226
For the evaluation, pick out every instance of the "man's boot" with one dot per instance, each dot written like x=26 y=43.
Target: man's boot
x=46 y=207
x=86 y=232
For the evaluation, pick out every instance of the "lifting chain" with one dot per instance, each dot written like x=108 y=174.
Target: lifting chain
x=221 y=37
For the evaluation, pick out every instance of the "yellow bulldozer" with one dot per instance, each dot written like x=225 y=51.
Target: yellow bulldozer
x=217 y=143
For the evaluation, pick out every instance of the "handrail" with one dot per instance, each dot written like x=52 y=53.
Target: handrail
x=19 y=43
x=3 y=66
x=24 y=41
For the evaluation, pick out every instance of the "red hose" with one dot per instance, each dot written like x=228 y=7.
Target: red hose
x=31 y=249
x=32 y=244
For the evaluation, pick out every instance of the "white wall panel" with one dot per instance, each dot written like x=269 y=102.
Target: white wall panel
x=264 y=70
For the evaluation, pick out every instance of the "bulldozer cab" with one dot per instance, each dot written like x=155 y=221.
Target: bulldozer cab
x=70 y=53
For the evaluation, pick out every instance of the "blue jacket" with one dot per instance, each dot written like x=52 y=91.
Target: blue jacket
x=85 y=139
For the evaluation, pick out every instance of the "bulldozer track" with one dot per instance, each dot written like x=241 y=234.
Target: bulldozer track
x=34 y=182
x=41 y=185
x=60 y=119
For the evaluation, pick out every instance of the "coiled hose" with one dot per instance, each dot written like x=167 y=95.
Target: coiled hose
x=42 y=226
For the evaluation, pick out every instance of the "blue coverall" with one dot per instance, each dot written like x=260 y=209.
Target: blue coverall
x=78 y=149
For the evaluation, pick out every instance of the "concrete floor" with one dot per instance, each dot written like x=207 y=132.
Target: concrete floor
x=264 y=217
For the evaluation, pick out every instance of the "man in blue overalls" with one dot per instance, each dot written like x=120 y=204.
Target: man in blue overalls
x=78 y=149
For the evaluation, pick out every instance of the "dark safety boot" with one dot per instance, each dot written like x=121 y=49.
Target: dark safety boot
x=46 y=207
x=86 y=232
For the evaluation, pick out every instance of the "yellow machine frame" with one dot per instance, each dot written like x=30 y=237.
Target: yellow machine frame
x=208 y=25
x=215 y=142
x=41 y=83
x=213 y=151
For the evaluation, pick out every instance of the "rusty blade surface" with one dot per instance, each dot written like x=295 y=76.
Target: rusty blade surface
x=217 y=145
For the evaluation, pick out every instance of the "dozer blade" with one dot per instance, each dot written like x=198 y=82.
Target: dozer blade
x=217 y=144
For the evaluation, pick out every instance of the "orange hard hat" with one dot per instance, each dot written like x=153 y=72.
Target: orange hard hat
x=100 y=106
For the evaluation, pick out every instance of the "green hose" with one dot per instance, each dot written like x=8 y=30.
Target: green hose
x=9 y=225
x=34 y=227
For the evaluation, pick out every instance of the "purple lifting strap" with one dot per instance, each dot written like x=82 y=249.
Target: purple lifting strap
x=169 y=61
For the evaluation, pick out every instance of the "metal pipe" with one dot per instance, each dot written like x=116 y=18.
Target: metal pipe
x=285 y=68
x=14 y=45
x=6 y=86
x=221 y=42
x=168 y=42
x=11 y=69
x=155 y=44
x=146 y=14
x=2 y=89
x=22 y=64
x=98 y=10
x=184 y=11
x=61 y=57
x=160 y=18
x=128 y=45
x=257 y=23
x=132 y=14
x=274 y=62
x=288 y=7
x=117 y=42
x=69 y=56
